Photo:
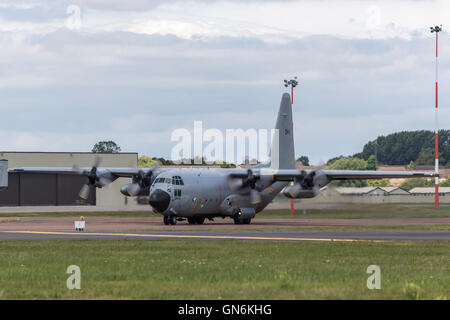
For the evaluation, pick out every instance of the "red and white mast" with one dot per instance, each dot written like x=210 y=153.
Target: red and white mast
x=436 y=30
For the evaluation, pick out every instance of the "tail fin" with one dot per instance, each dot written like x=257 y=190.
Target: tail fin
x=282 y=154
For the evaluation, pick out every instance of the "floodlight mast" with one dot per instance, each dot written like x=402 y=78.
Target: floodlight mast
x=291 y=83
x=436 y=30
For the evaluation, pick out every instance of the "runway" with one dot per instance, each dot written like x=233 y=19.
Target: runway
x=341 y=236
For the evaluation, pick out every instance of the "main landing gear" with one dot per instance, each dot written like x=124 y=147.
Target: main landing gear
x=196 y=220
x=238 y=220
x=172 y=220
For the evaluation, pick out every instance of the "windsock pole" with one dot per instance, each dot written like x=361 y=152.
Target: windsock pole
x=292 y=104
x=436 y=30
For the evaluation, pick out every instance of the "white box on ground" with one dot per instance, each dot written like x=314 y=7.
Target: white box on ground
x=80 y=225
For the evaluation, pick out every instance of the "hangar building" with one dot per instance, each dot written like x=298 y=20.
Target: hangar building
x=36 y=189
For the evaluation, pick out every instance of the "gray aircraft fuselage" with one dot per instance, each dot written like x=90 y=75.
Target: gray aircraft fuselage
x=209 y=192
x=204 y=192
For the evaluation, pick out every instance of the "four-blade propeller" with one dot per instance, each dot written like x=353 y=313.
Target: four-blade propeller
x=142 y=180
x=93 y=179
x=249 y=181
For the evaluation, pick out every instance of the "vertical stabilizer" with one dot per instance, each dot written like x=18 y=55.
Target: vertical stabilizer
x=282 y=154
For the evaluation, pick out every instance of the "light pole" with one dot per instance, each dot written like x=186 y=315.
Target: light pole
x=291 y=83
x=436 y=30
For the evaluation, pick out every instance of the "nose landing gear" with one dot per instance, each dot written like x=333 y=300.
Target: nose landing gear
x=170 y=220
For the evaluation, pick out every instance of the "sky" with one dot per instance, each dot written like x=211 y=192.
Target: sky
x=75 y=72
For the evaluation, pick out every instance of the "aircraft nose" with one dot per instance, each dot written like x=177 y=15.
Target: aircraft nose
x=159 y=200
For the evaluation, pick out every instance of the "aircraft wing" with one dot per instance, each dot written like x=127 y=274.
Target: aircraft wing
x=290 y=174
x=366 y=174
x=116 y=172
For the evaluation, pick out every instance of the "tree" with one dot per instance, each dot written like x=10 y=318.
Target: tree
x=378 y=183
x=106 y=147
x=330 y=161
x=163 y=161
x=416 y=182
x=145 y=162
x=401 y=148
x=349 y=163
x=445 y=183
x=426 y=157
x=304 y=160
x=411 y=166
x=371 y=163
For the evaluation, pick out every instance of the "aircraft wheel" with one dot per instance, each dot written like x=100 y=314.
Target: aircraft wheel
x=166 y=220
x=247 y=221
x=173 y=220
x=191 y=220
x=200 y=220
x=237 y=220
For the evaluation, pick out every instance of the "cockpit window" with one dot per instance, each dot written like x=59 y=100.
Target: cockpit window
x=177 y=180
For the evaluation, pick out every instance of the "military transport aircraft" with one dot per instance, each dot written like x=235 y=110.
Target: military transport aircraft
x=239 y=193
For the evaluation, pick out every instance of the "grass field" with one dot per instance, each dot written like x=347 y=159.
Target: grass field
x=129 y=269
x=427 y=227
x=355 y=211
x=358 y=211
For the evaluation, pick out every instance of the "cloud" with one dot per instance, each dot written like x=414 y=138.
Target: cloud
x=118 y=78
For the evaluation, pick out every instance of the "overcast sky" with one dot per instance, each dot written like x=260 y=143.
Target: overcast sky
x=133 y=71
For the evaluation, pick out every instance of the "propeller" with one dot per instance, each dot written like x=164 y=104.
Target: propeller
x=142 y=180
x=248 y=181
x=92 y=178
x=307 y=180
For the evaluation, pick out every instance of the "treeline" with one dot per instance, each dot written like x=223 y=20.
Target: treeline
x=147 y=162
x=403 y=147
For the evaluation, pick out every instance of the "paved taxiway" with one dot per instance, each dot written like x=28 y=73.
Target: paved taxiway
x=144 y=224
x=387 y=235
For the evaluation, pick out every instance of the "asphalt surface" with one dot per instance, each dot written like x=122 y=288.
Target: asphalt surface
x=388 y=235
x=144 y=224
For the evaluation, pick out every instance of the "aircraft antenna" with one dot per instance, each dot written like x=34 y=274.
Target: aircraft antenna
x=436 y=30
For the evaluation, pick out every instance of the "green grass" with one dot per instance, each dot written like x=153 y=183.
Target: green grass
x=355 y=211
x=173 y=269
x=358 y=211
x=316 y=228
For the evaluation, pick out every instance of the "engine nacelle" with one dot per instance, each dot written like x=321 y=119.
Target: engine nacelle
x=128 y=191
x=297 y=192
